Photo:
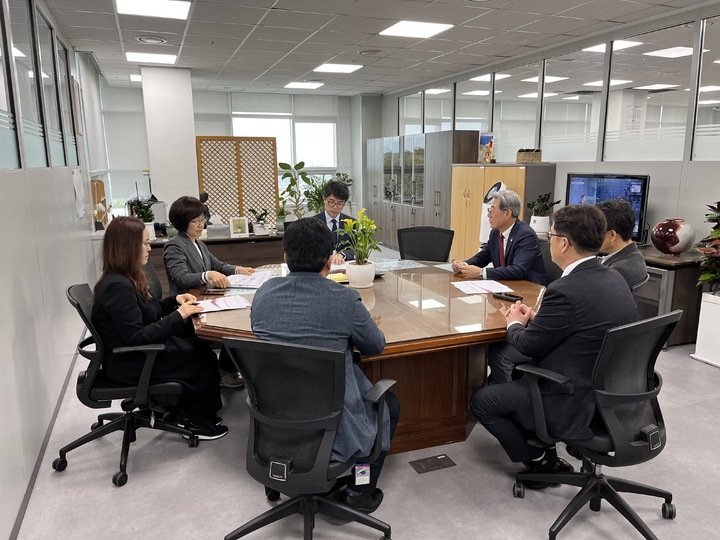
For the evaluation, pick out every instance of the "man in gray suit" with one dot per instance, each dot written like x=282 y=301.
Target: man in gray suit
x=305 y=308
x=622 y=253
x=564 y=336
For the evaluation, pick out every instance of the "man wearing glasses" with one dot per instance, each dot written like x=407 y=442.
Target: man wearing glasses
x=335 y=195
x=565 y=336
x=512 y=248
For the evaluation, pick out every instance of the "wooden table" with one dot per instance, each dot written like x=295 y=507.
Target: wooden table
x=436 y=347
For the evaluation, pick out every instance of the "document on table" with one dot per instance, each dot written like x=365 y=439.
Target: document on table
x=223 y=304
x=253 y=281
x=337 y=268
x=483 y=286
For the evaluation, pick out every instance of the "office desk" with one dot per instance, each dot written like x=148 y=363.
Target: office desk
x=436 y=347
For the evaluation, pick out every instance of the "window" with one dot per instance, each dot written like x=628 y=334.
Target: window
x=472 y=105
x=706 y=144
x=50 y=93
x=9 y=157
x=67 y=116
x=280 y=128
x=438 y=109
x=514 y=117
x=411 y=114
x=315 y=143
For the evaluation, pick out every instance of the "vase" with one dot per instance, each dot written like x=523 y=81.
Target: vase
x=672 y=236
x=280 y=224
x=360 y=276
x=540 y=224
x=151 y=230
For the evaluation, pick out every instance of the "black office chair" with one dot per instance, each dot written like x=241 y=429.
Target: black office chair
x=552 y=270
x=295 y=398
x=153 y=280
x=629 y=428
x=640 y=283
x=425 y=243
x=138 y=402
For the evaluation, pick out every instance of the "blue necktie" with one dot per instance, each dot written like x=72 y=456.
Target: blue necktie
x=334 y=225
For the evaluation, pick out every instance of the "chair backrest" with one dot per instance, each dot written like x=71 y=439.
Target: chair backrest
x=552 y=270
x=626 y=388
x=80 y=297
x=153 y=280
x=640 y=283
x=425 y=243
x=295 y=398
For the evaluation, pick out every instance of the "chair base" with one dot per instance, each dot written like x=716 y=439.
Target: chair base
x=127 y=422
x=595 y=487
x=308 y=506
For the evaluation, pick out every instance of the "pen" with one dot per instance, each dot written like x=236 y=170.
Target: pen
x=539 y=299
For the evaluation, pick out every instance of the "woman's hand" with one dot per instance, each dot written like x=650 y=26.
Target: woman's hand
x=244 y=270
x=188 y=309
x=338 y=258
x=219 y=280
x=186 y=297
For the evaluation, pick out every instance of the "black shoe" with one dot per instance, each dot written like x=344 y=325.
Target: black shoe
x=207 y=431
x=214 y=421
x=366 y=503
x=546 y=465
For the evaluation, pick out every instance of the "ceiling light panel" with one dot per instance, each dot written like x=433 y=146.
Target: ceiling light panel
x=166 y=9
x=149 y=58
x=136 y=78
x=613 y=82
x=435 y=91
x=486 y=78
x=618 y=45
x=548 y=79
x=305 y=85
x=413 y=29
x=672 y=52
x=658 y=86
x=338 y=68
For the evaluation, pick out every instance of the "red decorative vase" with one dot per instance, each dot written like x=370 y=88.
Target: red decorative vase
x=673 y=236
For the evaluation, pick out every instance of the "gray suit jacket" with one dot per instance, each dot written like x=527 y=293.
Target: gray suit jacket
x=305 y=308
x=630 y=263
x=185 y=267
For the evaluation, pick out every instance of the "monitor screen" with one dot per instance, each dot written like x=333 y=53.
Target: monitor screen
x=584 y=188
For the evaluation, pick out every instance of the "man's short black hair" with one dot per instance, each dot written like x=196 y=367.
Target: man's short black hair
x=584 y=226
x=307 y=244
x=184 y=210
x=337 y=189
x=620 y=217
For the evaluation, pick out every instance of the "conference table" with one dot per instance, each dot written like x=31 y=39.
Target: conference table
x=437 y=339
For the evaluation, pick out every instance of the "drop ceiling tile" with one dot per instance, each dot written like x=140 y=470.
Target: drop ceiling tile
x=438 y=45
x=344 y=38
x=450 y=14
x=469 y=34
x=237 y=31
x=315 y=6
x=414 y=54
x=505 y=19
x=291 y=19
x=79 y=32
x=151 y=24
x=367 y=25
x=85 y=18
x=232 y=14
x=100 y=6
x=295 y=35
x=206 y=52
x=213 y=41
x=171 y=39
x=546 y=7
x=321 y=48
x=388 y=9
x=604 y=10
x=267 y=45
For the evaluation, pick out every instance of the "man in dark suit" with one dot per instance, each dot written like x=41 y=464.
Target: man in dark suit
x=513 y=247
x=335 y=196
x=564 y=336
x=622 y=253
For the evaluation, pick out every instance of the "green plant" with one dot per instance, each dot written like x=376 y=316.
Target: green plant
x=258 y=216
x=710 y=266
x=281 y=211
x=359 y=235
x=293 y=193
x=542 y=206
x=142 y=210
x=314 y=194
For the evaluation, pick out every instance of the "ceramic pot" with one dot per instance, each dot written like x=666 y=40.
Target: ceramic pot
x=151 y=230
x=360 y=276
x=540 y=224
x=280 y=224
x=672 y=236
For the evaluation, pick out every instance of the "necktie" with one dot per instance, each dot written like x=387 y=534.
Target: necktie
x=502 y=250
x=334 y=225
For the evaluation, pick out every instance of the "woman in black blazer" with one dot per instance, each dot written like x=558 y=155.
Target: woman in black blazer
x=126 y=314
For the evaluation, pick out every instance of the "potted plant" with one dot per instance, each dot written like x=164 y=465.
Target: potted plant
x=359 y=235
x=706 y=349
x=540 y=209
x=281 y=212
x=259 y=220
x=294 y=192
x=314 y=194
x=142 y=209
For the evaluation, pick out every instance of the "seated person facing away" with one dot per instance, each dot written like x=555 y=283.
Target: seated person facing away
x=306 y=308
x=335 y=195
x=622 y=253
x=513 y=246
x=564 y=336
x=126 y=314
x=190 y=265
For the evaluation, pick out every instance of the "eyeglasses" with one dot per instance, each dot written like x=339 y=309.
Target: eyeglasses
x=334 y=204
x=198 y=221
x=551 y=234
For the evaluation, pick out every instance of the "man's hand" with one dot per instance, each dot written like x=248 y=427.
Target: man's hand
x=519 y=312
x=457 y=265
x=244 y=270
x=219 y=280
x=471 y=271
x=338 y=258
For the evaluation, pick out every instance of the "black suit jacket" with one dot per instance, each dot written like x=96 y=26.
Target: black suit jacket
x=566 y=336
x=523 y=259
x=338 y=235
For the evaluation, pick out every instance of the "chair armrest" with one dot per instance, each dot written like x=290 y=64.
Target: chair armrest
x=151 y=351
x=378 y=390
x=542 y=373
x=535 y=374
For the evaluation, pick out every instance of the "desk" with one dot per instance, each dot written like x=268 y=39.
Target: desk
x=436 y=348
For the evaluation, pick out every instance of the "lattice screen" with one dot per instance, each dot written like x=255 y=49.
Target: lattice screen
x=238 y=173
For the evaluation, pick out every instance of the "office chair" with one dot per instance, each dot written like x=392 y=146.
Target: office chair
x=640 y=283
x=153 y=280
x=552 y=270
x=295 y=398
x=138 y=402
x=628 y=429
x=425 y=243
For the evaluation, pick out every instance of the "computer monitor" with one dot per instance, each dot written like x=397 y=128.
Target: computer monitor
x=587 y=188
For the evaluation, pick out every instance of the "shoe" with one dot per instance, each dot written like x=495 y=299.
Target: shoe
x=214 y=421
x=366 y=503
x=230 y=379
x=207 y=431
x=548 y=464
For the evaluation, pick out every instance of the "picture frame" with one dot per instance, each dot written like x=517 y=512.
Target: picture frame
x=239 y=227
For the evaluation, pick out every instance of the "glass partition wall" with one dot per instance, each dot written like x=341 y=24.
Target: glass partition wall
x=706 y=143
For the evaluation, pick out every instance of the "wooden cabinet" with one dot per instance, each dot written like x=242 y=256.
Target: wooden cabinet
x=407 y=179
x=470 y=198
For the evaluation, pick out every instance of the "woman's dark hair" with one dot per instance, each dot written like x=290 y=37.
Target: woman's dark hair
x=121 y=249
x=583 y=225
x=307 y=244
x=184 y=210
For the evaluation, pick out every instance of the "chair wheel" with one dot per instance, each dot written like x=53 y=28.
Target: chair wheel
x=272 y=495
x=668 y=511
x=119 y=479
x=60 y=464
x=96 y=425
x=193 y=441
x=518 y=490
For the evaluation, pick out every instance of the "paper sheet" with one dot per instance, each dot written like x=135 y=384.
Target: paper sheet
x=253 y=281
x=225 y=303
x=481 y=286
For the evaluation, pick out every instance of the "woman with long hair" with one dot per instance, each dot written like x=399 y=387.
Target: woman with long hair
x=126 y=314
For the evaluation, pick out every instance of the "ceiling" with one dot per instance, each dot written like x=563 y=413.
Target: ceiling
x=262 y=45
